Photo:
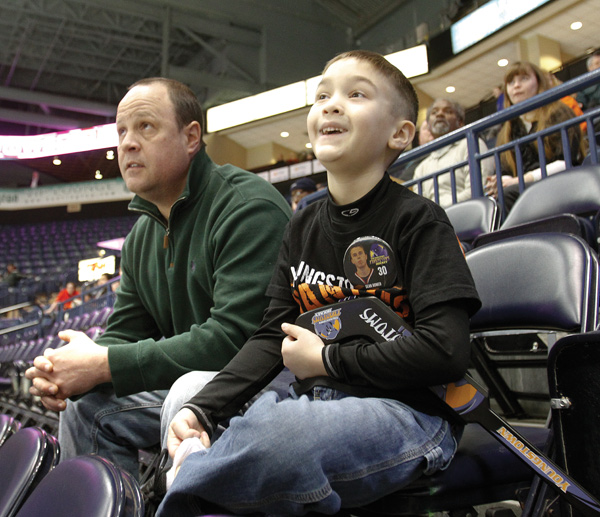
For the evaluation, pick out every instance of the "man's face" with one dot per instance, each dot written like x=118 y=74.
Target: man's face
x=594 y=64
x=70 y=288
x=358 y=257
x=154 y=154
x=354 y=117
x=443 y=118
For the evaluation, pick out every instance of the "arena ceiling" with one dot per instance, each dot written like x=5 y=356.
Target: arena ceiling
x=87 y=52
x=66 y=63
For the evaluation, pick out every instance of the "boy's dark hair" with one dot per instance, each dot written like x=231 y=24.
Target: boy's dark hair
x=186 y=104
x=402 y=85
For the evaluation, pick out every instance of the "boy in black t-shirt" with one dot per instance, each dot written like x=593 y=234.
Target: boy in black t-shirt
x=361 y=421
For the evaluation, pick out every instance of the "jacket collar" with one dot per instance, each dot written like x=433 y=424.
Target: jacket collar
x=198 y=176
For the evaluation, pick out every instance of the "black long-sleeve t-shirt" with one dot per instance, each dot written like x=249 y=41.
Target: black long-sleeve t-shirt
x=430 y=287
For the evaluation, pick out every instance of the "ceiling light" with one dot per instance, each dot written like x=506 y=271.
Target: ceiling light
x=502 y=62
x=284 y=134
x=308 y=145
x=575 y=26
x=110 y=155
x=450 y=89
x=56 y=161
x=98 y=175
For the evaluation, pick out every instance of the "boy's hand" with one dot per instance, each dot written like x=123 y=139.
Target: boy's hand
x=301 y=351
x=185 y=425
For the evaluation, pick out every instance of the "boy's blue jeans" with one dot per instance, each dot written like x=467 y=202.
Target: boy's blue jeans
x=317 y=453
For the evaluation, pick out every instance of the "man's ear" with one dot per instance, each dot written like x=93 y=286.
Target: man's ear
x=193 y=133
x=403 y=135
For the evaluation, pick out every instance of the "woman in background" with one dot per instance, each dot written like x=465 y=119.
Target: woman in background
x=522 y=81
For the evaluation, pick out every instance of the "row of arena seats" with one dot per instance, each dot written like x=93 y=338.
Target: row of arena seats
x=49 y=253
x=49 y=242
x=566 y=202
x=17 y=356
x=33 y=325
x=34 y=483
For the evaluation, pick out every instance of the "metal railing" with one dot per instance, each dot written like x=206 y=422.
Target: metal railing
x=473 y=132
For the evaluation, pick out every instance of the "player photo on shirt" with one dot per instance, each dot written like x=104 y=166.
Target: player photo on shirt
x=369 y=263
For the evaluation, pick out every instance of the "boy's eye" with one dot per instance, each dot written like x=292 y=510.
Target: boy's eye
x=357 y=94
x=321 y=96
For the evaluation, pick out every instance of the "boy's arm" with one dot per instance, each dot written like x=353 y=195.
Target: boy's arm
x=256 y=365
x=437 y=352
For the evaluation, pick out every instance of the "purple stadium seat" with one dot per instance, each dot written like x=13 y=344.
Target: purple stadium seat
x=25 y=458
x=8 y=426
x=104 y=314
x=85 y=485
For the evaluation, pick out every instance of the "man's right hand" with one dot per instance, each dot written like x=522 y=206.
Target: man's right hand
x=185 y=425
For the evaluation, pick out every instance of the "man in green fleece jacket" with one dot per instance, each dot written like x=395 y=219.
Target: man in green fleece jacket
x=194 y=273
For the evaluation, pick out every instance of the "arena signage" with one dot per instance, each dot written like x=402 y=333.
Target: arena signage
x=53 y=144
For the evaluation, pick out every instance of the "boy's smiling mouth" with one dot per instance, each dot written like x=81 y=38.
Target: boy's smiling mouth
x=331 y=130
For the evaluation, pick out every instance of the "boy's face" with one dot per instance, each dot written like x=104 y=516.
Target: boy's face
x=355 y=117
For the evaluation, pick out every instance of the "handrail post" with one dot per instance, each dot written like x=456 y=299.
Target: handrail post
x=474 y=164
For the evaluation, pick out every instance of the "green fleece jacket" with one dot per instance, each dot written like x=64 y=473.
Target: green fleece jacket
x=193 y=288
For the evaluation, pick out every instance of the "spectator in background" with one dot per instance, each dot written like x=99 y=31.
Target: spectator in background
x=590 y=97
x=12 y=277
x=443 y=117
x=522 y=81
x=299 y=189
x=499 y=95
x=569 y=100
x=64 y=296
x=195 y=268
x=96 y=291
x=407 y=172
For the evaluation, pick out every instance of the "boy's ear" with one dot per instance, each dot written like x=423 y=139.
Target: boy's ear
x=404 y=134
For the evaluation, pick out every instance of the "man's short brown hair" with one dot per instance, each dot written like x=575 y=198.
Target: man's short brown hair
x=185 y=102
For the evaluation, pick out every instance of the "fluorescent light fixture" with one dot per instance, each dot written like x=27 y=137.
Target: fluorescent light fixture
x=486 y=20
x=575 y=26
x=311 y=89
x=255 y=107
x=412 y=61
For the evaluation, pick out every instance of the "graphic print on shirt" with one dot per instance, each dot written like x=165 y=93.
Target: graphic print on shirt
x=312 y=289
x=369 y=263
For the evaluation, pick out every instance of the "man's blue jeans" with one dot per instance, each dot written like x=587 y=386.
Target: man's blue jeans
x=311 y=454
x=112 y=427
